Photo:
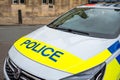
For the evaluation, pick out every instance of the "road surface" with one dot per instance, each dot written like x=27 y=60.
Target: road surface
x=9 y=34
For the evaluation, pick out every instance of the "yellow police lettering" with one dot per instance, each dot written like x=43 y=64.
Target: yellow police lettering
x=45 y=51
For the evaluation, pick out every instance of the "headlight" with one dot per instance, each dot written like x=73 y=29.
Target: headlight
x=95 y=73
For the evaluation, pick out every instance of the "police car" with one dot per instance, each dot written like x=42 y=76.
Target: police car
x=82 y=44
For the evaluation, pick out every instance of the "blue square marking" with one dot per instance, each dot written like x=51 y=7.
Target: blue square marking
x=118 y=58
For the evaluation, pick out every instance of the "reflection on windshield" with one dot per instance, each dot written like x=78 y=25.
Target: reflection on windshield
x=91 y=20
x=71 y=14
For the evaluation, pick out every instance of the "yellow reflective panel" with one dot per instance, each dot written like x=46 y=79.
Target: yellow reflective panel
x=46 y=54
x=57 y=58
x=112 y=71
x=90 y=63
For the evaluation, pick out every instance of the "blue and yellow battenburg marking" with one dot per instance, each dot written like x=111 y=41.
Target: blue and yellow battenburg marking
x=113 y=68
x=96 y=60
x=60 y=59
x=113 y=48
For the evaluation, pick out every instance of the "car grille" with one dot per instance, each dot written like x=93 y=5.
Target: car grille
x=15 y=73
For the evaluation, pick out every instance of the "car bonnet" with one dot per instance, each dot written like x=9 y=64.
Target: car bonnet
x=65 y=51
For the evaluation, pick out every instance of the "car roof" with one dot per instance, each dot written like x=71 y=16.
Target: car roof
x=101 y=5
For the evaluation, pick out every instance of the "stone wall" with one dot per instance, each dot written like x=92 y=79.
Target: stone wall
x=34 y=11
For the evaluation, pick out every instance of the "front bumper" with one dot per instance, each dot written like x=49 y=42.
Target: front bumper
x=4 y=71
x=13 y=72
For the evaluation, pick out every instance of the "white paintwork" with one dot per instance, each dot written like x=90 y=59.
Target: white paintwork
x=82 y=46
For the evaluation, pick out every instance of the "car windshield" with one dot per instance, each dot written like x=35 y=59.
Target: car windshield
x=95 y=22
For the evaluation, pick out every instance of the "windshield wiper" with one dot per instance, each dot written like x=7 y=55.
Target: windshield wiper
x=72 y=31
